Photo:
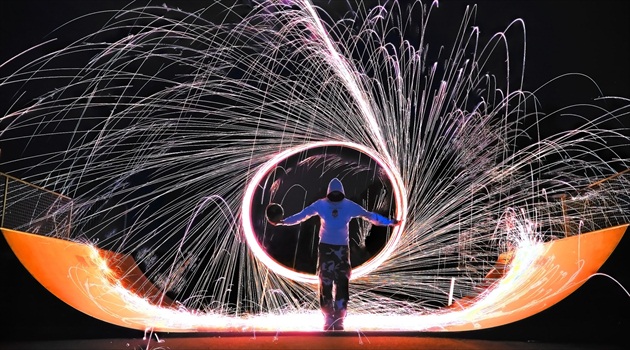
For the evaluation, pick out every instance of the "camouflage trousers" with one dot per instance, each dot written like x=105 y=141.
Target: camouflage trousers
x=334 y=274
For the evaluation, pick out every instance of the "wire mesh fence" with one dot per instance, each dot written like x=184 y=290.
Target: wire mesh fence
x=28 y=208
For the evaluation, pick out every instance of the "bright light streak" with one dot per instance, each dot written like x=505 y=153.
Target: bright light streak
x=400 y=196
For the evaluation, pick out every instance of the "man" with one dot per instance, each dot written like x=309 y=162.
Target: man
x=333 y=266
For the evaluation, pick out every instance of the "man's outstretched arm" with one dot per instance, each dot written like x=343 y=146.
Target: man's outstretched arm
x=375 y=218
x=299 y=217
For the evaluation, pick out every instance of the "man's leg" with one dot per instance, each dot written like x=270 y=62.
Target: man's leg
x=325 y=271
x=341 y=303
x=343 y=271
x=326 y=301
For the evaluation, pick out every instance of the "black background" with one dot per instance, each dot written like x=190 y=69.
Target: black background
x=588 y=37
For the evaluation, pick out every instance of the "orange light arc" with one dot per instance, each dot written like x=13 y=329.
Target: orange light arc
x=110 y=287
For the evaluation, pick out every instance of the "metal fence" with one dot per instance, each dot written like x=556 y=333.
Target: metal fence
x=28 y=208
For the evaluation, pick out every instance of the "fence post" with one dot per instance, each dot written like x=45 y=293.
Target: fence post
x=5 y=194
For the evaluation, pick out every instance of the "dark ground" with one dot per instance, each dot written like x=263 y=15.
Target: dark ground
x=306 y=341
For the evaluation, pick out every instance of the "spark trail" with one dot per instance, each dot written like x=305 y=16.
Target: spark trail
x=159 y=121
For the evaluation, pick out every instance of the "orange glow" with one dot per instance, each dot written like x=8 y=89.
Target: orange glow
x=111 y=288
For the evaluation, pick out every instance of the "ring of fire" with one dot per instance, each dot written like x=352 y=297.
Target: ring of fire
x=399 y=195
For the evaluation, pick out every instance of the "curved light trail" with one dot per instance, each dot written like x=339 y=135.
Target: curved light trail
x=400 y=204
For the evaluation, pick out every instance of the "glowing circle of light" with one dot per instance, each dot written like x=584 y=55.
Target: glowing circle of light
x=400 y=200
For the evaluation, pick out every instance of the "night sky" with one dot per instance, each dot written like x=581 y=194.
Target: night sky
x=588 y=37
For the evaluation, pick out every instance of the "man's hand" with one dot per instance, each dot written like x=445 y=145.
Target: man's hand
x=279 y=223
x=395 y=222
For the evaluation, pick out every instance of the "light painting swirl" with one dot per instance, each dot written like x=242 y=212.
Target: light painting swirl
x=162 y=127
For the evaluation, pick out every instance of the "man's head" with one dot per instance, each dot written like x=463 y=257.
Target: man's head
x=335 y=190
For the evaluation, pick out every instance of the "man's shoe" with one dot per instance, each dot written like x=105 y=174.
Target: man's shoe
x=329 y=324
x=338 y=324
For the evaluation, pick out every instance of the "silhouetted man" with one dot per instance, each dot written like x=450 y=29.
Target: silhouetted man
x=333 y=266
